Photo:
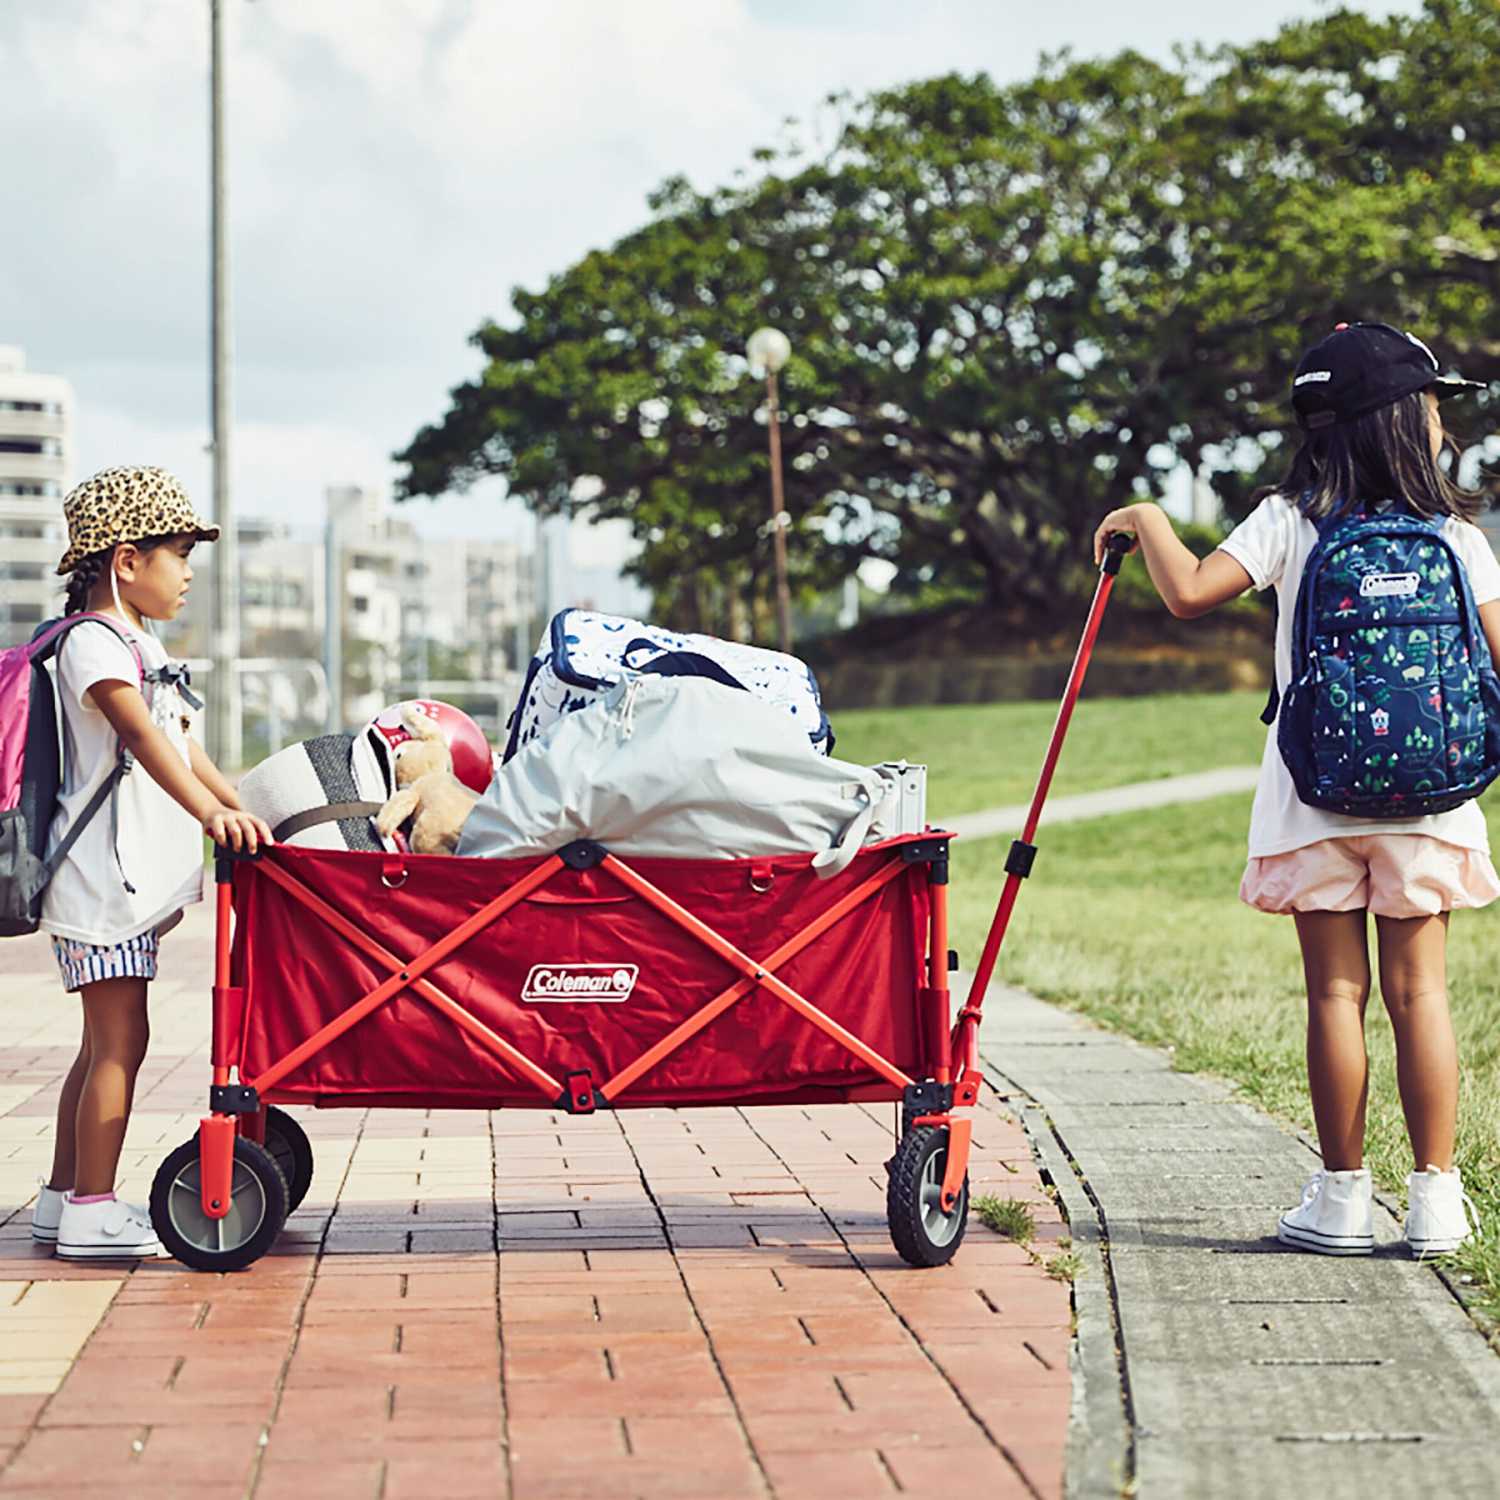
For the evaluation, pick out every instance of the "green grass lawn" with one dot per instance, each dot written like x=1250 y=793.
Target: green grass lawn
x=988 y=755
x=1134 y=921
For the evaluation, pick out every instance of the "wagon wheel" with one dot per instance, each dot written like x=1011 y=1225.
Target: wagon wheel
x=287 y=1141
x=924 y=1235
x=257 y=1210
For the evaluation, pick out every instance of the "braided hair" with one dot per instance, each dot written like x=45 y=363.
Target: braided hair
x=96 y=565
x=82 y=579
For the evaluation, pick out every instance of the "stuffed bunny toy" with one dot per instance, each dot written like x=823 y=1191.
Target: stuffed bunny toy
x=427 y=791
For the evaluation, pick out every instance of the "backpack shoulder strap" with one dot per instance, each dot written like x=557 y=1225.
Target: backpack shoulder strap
x=49 y=637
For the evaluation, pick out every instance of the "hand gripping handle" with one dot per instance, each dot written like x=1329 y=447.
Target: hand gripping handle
x=1119 y=546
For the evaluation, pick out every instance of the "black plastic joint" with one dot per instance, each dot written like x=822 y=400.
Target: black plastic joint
x=582 y=854
x=579 y=1096
x=233 y=1099
x=925 y=851
x=1020 y=859
x=927 y=1098
x=952 y=960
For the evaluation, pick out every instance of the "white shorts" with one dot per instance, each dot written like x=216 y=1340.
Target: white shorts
x=88 y=963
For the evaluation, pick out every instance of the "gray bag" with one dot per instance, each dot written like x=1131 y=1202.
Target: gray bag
x=685 y=768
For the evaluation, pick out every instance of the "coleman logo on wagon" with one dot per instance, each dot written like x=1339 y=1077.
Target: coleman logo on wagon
x=600 y=983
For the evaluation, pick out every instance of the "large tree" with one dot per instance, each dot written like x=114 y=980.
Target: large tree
x=1011 y=307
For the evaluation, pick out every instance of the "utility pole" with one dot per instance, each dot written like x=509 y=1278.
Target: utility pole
x=225 y=722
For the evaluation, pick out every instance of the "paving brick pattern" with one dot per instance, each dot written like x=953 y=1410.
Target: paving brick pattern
x=701 y=1303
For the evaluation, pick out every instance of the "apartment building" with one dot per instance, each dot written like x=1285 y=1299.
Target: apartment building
x=36 y=414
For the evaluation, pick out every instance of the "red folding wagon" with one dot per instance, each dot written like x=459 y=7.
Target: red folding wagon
x=580 y=981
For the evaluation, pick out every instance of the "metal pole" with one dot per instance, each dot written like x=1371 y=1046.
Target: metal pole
x=333 y=625
x=224 y=696
x=778 y=522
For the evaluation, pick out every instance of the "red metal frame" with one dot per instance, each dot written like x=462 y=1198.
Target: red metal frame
x=966 y=1031
x=409 y=974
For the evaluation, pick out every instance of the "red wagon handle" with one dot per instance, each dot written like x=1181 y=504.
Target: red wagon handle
x=1023 y=852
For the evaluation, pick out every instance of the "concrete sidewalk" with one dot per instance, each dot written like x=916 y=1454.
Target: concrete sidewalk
x=701 y=1304
x=1212 y=1361
x=1137 y=796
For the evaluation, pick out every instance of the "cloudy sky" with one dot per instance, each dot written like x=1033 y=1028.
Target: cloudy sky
x=396 y=167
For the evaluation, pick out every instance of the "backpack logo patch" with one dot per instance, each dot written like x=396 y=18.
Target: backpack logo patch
x=1387 y=585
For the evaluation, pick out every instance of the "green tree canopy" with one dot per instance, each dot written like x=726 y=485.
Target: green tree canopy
x=1011 y=308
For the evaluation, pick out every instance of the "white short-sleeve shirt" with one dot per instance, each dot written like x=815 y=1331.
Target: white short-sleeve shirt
x=1272 y=545
x=156 y=846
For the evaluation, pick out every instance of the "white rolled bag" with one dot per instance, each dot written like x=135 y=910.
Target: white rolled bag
x=681 y=768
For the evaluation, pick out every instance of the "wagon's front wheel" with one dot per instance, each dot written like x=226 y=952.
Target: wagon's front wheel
x=288 y=1143
x=257 y=1210
x=923 y=1232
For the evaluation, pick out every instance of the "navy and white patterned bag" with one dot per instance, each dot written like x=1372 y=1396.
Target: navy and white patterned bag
x=1393 y=710
x=584 y=654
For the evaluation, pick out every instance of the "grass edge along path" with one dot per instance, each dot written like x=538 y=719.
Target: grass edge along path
x=982 y=755
x=1133 y=921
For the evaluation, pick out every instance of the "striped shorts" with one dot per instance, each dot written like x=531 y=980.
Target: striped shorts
x=88 y=963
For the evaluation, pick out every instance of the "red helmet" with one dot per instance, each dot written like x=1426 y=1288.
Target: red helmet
x=466 y=742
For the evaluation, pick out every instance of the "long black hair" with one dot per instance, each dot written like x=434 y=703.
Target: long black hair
x=89 y=570
x=1384 y=455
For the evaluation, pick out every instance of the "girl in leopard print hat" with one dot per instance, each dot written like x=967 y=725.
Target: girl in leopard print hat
x=126 y=727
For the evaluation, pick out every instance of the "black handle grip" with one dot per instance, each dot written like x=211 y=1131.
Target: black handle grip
x=1119 y=546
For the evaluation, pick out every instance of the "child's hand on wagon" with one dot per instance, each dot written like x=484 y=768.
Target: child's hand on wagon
x=235 y=829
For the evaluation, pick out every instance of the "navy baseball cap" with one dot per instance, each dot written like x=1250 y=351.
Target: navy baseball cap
x=1361 y=367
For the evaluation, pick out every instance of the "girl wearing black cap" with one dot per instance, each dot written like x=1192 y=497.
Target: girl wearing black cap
x=1367 y=399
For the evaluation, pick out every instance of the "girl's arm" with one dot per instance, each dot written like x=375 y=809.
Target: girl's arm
x=1189 y=585
x=212 y=777
x=123 y=706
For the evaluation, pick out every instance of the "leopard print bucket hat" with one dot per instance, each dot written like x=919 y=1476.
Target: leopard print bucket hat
x=124 y=505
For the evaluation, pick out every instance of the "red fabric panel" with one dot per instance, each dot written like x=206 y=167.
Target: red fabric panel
x=865 y=972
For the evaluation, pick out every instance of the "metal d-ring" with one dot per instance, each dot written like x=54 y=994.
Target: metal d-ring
x=761 y=887
x=393 y=885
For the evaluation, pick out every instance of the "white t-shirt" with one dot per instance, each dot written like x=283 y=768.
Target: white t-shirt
x=156 y=847
x=1272 y=543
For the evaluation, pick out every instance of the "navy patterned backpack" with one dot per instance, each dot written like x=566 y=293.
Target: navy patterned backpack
x=1393 y=710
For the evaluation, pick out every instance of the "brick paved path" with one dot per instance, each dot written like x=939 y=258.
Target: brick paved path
x=697 y=1304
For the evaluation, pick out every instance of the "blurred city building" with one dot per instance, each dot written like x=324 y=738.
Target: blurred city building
x=415 y=617
x=36 y=415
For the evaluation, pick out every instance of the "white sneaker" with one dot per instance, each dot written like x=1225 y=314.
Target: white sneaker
x=1436 y=1221
x=1335 y=1216
x=46 y=1212
x=111 y=1230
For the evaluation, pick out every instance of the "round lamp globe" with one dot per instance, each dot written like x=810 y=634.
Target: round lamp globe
x=768 y=349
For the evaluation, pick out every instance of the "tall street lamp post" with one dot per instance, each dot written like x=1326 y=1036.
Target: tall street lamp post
x=769 y=349
x=224 y=699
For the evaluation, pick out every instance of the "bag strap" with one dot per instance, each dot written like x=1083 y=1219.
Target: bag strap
x=103 y=793
x=313 y=816
x=48 y=639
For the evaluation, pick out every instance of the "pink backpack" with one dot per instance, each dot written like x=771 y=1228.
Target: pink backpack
x=31 y=765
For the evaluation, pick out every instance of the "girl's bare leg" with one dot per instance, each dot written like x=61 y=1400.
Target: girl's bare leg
x=1336 y=964
x=64 y=1142
x=115 y=1015
x=1414 y=985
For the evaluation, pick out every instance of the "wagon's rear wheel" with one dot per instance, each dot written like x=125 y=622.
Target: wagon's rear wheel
x=288 y=1143
x=258 y=1208
x=923 y=1233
